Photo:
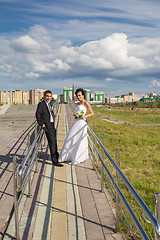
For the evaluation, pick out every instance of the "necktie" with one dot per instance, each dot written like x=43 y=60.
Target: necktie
x=51 y=113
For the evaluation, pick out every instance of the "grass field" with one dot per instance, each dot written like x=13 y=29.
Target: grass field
x=137 y=116
x=139 y=149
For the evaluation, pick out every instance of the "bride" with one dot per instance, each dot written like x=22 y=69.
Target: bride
x=75 y=148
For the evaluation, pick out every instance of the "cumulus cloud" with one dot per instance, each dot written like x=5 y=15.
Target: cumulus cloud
x=58 y=64
x=32 y=75
x=108 y=79
x=154 y=83
x=26 y=44
x=38 y=55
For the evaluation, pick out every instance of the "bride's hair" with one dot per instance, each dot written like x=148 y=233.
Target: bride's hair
x=80 y=90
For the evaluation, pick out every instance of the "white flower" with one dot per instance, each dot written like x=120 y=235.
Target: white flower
x=78 y=114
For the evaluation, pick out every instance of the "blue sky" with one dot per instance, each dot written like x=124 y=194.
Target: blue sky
x=106 y=45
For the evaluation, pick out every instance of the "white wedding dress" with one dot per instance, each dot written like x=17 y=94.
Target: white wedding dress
x=75 y=148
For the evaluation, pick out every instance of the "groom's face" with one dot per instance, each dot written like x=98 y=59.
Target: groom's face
x=48 y=97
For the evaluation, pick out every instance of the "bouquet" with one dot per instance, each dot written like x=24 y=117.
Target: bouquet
x=78 y=114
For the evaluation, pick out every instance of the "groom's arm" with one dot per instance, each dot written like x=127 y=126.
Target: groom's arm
x=39 y=114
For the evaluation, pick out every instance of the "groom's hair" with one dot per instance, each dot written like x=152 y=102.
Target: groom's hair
x=47 y=91
x=80 y=90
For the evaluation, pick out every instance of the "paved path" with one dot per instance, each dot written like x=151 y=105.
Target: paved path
x=12 y=141
x=125 y=122
x=98 y=217
x=66 y=203
x=4 y=108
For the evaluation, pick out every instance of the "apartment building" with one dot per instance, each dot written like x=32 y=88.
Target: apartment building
x=114 y=100
x=20 y=97
x=131 y=97
x=67 y=93
x=87 y=94
x=99 y=96
x=126 y=98
x=35 y=95
x=1 y=97
x=16 y=97
x=25 y=97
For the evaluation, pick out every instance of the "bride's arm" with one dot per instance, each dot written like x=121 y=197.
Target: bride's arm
x=88 y=106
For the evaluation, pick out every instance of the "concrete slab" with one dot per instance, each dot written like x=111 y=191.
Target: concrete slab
x=11 y=142
x=98 y=217
x=68 y=203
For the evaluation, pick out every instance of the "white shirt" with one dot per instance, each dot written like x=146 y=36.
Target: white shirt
x=50 y=111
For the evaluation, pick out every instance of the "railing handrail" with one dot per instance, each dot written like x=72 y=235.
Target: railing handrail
x=32 y=158
x=20 y=169
x=20 y=181
x=140 y=201
x=145 y=209
x=129 y=208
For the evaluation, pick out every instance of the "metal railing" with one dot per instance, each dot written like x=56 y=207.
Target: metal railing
x=22 y=175
x=105 y=169
x=98 y=157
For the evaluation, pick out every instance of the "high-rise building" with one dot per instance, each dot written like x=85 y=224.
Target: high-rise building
x=99 y=96
x=73 y=92
x=35 y=95
x=67 y=93
x=10 y=97
x=87 y=94
x=133 y=96
x=16 y=97
x=5 y=97
x=25 y=99
x=1 y=97
x=92 y=96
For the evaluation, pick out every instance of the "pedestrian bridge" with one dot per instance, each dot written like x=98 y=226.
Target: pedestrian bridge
x=64 y=203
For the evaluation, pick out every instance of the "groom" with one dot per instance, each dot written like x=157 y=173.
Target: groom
x=45 y=118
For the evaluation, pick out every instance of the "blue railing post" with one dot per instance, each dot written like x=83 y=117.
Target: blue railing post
x=94 y=143
x=102 y=155
x=15 y=197
x=117 y=195
x=157 y=212
x=29 y=181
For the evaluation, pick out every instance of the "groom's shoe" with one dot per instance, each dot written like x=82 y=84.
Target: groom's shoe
x=56 y=163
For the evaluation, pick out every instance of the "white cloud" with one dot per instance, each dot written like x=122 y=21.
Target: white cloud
x=38 y=55
x=26 y=44
x=108 y=79
x=32 y=75
x=74 y=22
x=110 y=52
x=59 y=64
x=154 y=83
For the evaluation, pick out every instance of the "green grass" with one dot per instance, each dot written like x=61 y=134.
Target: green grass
x=139 y=150
x=137 y=116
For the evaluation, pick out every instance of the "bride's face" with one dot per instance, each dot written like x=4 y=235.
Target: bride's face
x=80 y=96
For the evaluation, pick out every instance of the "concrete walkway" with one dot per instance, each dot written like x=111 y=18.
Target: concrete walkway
x=3 y=108
x=77 y=208
x=67 y=202
x=13 y=124
x=117 y=121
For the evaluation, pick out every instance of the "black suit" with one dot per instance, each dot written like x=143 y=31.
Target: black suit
x=43 y=117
